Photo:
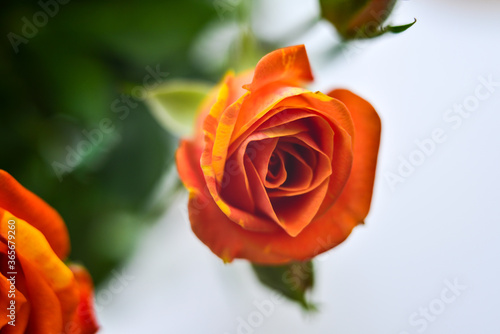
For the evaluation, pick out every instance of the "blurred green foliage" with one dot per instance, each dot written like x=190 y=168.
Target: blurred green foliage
x=71 y=76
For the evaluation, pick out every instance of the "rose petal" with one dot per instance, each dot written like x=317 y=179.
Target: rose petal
x=296 y=212
x=288 y=66
x=292 y=129
x=84 y=320
x=197 y=182
x=27 y=206
x=357 y=193
x=46 y=311
x=187 y=159
x=261 y=152
x=300 y=173
x=232 y=124
x=225 y=238
x=319 y=163
x=339 y=118
x=306 y=156
x=218 y=128
x=229 y=240
x=243 y=176
x=33 y=245
x=285 y=118
x=324 y=105
x=263 y=204
x=235 y=181
x=341 y=122
x=257 y=148
x=276 y=175
x=258 y=108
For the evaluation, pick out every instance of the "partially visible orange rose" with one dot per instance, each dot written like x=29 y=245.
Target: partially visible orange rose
x=38 y=292
x=276 y=172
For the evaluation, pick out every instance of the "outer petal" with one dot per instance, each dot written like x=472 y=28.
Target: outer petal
x=289 y=66
x=357 y=194
x=224 y=237
x=45 y=312
x=188 y=165
x=229 y=241
x=231 y=89
x=42 y=267
x=33 y=246
x=84 y=320
x=25 y=205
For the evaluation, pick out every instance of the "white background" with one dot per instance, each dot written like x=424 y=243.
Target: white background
x=442 y=223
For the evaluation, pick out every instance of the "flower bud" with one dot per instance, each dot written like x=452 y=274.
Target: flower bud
x=357 y=19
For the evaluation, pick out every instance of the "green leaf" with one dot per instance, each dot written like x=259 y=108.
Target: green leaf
x=363 y=34
x=292 y=280
x=401 y=28
x=175 y=104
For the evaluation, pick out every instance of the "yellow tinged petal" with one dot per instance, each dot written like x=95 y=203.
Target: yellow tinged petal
x=223 y=137
x=224 y=207
x=33 y=245
x=226 y=256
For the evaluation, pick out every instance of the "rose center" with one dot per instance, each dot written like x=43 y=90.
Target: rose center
x=275 y=167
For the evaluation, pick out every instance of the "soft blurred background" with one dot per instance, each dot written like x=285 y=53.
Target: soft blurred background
x=63 y=73
x=127 y=218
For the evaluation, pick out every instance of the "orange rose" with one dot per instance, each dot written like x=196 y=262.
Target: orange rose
x=38 y=292
x=276 y=172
